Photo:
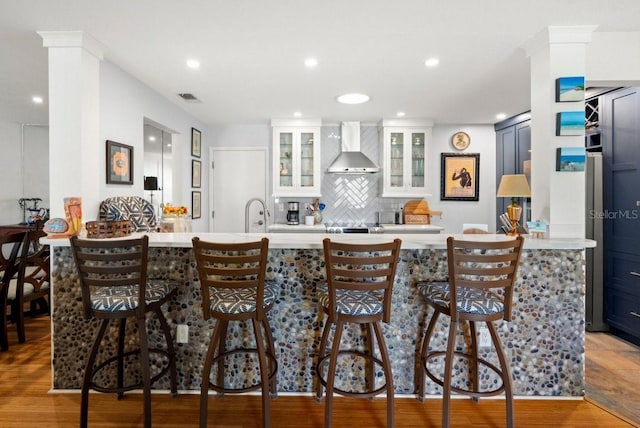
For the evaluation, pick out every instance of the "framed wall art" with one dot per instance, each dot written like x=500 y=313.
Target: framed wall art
x=196 y=204
x=569 y=89
x=196 y=146
x=119 y=163
x=570 y=158
x=570 y=123
x=196 y=173
x=459 y=179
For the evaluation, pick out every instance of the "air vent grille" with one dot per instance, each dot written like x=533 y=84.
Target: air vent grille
x=190 y=98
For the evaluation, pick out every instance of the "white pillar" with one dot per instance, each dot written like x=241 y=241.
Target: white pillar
x=556 y=197
x=76 y=156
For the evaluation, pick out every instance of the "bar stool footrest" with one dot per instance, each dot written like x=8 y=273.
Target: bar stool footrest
x=221 y=390
x=364 y=394
x=109 y=389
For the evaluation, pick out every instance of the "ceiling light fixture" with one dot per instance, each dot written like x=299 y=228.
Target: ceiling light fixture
x=193 y=64
x=37 y=99
x=311 y=62
x=400 y=114
x=353 y=98
x=500 y=116
x=432 y=62
x=152 y=138
x=297 y=114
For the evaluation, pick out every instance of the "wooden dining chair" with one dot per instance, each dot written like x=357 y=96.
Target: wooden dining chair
x=12 y=248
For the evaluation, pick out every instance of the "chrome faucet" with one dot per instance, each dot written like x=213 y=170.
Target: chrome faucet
x=265 y=212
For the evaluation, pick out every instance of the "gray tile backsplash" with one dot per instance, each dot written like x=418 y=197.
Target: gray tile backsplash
x=349 y=198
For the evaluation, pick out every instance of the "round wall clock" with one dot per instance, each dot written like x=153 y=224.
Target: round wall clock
x=460 y=140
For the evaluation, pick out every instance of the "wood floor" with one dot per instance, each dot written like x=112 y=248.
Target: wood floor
x=24 y=402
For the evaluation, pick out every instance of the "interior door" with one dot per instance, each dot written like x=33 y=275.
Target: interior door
x=237 y=176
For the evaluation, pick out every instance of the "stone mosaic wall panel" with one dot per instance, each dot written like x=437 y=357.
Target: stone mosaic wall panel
x=544 y=342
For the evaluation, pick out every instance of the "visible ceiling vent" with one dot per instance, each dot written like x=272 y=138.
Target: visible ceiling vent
x=190 y=98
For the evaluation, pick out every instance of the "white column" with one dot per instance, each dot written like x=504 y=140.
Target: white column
x=556 y=197
x=76 y=156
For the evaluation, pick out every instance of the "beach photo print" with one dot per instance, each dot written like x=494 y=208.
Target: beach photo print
x=569 y=89
x=570 y=123
x=570 y=159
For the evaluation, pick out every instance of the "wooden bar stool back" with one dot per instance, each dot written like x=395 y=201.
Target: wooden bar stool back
x=234 y=288
x=114 y=286
x=482 y=275
x=359 y=288
x=13 y=249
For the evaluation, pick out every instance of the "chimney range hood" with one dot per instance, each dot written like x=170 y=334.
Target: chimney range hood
x=351 y=160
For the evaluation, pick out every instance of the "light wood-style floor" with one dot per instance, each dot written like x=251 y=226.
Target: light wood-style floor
x=24 y=402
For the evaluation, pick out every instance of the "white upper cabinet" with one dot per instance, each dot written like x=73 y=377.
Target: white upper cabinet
x=405 y=158
x=296 y=158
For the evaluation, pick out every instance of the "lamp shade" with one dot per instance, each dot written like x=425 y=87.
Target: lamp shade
x=151 y=183
x=514 y=186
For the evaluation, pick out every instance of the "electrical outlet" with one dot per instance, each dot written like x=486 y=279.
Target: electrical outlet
x=485 y=337
x=182 y=333
x=281 y=208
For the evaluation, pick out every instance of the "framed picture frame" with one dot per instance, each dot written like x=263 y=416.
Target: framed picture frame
x=196 y=144
x=119 y=163
x=570 y=89
x=570 y=123
x=196 y=204
x=196 y=173
x=459 y=177
x=570 y=159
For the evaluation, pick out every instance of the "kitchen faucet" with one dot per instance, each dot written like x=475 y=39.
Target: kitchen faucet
x=265 y=212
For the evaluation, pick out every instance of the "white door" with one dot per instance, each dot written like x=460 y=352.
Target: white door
x=237 y=175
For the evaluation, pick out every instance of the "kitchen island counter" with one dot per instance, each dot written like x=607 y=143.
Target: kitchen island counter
x=544 y=342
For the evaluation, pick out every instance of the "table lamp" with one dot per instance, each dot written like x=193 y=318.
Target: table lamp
x=514 y=186
x=151 y=184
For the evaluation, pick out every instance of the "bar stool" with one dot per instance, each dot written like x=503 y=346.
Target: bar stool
x=114 y=286
x=233 y=288
x=13 y=249
x=481 y=279
x=359 y=287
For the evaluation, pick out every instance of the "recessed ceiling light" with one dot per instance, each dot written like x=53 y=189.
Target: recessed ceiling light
x=500 y=116
x=432 y=62
x=152 y=138
x=311 y=62
x=400 y=114
x=353 y=98
x=297 y=114
x=38 y=100
x=193 y=64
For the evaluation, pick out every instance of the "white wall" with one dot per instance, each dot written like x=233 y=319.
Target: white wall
x=22 y=179
x=456 y=213
x=124 y=103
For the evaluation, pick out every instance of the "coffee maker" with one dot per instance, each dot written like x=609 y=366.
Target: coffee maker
x=293 y=213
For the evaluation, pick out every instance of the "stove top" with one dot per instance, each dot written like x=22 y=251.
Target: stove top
x=354 y=228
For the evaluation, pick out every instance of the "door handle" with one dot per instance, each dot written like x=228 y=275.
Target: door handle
x=634 y=273
x=635 y=314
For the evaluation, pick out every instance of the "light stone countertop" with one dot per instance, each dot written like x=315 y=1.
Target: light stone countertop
x=410 y=241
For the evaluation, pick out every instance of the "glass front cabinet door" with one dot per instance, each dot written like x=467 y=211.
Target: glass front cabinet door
x=296 y=159
x=405 y=152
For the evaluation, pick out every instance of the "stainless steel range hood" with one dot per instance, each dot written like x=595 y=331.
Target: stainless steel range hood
x=351 y=160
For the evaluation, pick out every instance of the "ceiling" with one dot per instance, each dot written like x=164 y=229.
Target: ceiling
x=252 y=53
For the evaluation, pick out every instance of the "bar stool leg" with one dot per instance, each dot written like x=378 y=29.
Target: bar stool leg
x=88 y=374
x=120 y=375
x=206 y=374
x=222 y=338
x=335 y=347
x=388 y=377
x=273 y=385
x=264 y=374
x=369 y=368
x=506 y=376
x=144 y=366
x=423 y=355
x=321 y=354
x=171 y=350
x=448 y=367
x=473 y=369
